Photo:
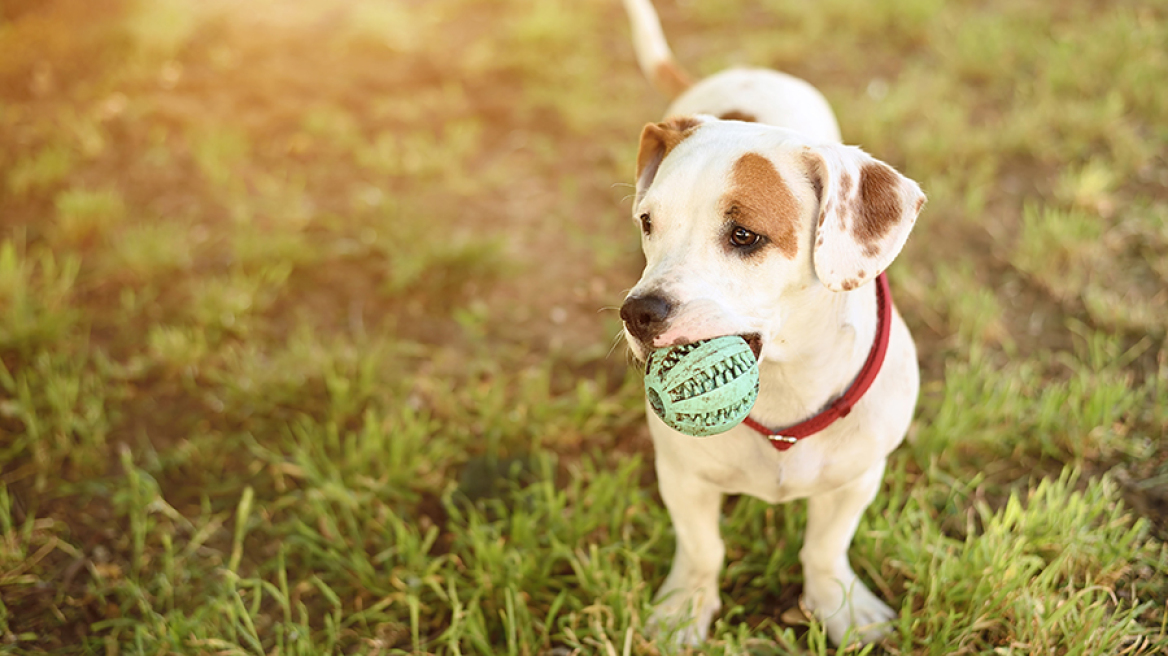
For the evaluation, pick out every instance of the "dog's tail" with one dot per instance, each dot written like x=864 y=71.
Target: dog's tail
x=653 y=54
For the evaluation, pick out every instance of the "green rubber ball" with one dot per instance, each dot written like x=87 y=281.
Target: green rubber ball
x=703 y=388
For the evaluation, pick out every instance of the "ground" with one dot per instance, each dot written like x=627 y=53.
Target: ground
x=309 y=340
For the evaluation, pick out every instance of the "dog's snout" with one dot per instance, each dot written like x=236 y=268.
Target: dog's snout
x=645 y=316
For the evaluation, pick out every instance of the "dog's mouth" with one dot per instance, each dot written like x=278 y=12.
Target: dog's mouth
x=754 y=341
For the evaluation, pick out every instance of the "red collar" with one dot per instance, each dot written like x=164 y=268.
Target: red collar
x=786 y=438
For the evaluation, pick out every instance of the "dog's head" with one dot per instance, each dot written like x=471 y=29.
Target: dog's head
x=742 y=221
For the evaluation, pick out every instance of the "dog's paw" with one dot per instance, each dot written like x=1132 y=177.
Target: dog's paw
x=848 y=610
x=682 y=617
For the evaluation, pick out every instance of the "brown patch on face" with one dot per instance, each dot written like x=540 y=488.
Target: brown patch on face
x=735 y=115
x=761 y=202
x=670 y=79
x=878 y=206
x=658 y=139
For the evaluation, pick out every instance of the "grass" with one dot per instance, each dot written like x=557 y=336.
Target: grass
x=306 y=327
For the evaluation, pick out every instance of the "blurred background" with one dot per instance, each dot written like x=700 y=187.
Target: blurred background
x=309 y=339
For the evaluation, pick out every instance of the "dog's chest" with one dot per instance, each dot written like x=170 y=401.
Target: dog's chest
x=742 y=461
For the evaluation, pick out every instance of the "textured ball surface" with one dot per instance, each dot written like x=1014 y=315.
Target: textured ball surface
x=703 y=388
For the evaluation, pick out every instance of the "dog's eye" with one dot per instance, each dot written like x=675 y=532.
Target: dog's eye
x=743 y=238
x=646 y=223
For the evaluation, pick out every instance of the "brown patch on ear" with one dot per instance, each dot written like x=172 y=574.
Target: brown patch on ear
x=682 y=123
x=845 y=184
x=735 y=115
x=670 y=79
x=878 y=206
x=762 y=202
x=658 y=139
x=812 y=164
x=849 y=284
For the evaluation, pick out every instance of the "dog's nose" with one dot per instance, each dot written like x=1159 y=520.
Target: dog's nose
x=645 y=316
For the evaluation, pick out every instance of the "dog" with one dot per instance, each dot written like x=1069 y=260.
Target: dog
x=756 y=221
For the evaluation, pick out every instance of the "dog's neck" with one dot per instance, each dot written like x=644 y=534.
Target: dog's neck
x=826 y=339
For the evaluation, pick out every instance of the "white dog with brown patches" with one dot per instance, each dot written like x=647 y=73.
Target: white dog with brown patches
x=767 y=227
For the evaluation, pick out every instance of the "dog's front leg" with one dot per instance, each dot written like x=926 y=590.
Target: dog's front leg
x=830 y=588
x=689 y=597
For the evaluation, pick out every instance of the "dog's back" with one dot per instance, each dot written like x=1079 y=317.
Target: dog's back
x=743 y=94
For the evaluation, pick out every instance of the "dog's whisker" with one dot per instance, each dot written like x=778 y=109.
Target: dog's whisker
x=616 y=339
x=631 y=359
x=611 y=350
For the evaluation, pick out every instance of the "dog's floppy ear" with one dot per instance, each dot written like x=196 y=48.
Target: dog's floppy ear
x=657 y=140
x=866 y=210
